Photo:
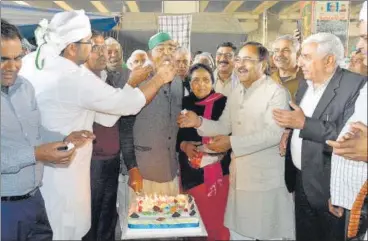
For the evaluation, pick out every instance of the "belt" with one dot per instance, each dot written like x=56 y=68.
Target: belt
x=16 y=198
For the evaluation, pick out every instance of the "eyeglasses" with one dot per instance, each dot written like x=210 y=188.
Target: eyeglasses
x=99 y=48
x=225 y=55
x=84 y=42
x=246 y=60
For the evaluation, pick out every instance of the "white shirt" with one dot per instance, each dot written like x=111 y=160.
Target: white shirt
x=70 y=98
x=226 y=87
x=308 y=104
x=347 y=176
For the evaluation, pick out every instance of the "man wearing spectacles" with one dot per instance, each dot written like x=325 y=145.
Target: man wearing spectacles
x=225 y=79
x=70 y=98
x=258 y=205
x=105 y=163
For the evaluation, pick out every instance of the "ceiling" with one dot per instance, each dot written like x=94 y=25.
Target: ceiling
x=116 y=7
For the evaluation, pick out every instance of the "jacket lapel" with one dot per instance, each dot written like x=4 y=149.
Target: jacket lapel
x=301 y=91
x=329 y=94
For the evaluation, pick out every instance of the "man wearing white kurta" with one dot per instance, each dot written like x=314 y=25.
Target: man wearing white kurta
x=71 y=98
x=259 y=205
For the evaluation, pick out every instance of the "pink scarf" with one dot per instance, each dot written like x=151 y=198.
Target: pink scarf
x=212 y=173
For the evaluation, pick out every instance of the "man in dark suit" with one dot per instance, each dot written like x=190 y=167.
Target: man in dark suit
x=324 y=102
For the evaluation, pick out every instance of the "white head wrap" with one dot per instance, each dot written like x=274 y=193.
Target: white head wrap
x=363 y=12
x=132 y=58
x=65 y=28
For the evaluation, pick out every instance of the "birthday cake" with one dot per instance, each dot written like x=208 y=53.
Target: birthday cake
x=163 y=212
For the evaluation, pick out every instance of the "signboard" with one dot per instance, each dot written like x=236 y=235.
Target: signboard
x=333 y=17
x=332 y=10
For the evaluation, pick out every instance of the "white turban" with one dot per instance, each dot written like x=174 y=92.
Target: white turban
x=65 y=28
x=363 y=12
x=132 y=58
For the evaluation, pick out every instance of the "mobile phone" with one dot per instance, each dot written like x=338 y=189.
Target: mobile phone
x=62 y=148
x=66 y=148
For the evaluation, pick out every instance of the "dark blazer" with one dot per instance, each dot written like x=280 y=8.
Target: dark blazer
x=332 y=112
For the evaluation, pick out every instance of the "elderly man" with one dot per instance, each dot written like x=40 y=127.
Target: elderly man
x=349 y=162
x=155 y=129
x=259 y=205
x=182 y=60
x=326 y=101
x=225 y=79
x=24 y=148
x=71 y=97
x=285 y=52
x=204 y=58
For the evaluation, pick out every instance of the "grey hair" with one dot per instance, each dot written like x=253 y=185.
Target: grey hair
x=111 y=41
x=328 y=44
x=206 y=55
x=290 y=38
x=184 y=50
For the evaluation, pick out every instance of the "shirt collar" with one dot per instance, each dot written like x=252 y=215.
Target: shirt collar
x=322 y=86
x=18 y=82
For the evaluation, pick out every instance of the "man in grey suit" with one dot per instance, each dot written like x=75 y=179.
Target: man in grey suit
x=155 y=129
x=324 y=102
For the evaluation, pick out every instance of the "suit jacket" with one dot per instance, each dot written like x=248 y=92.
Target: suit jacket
x=332 y=112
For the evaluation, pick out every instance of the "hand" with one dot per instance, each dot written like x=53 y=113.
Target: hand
x=79 y=138
x=167 y=71
x=290 y=119
x=188 y=120
x=283 y=142
x=297 y=34
x=220 y=144
x=353 y=145
x=189 y=148
x=49 y=153
x=336 y=211
x=135 y=180
x=139 y=74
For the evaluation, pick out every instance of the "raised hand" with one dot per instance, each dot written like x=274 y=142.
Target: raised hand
x=139 y=74
x=167 y=71
x=293 y=119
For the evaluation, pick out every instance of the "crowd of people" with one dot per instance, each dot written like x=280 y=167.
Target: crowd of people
x=272 y=144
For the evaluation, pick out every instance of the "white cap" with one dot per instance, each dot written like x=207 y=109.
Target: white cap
x=363 y=12
x=65 y=28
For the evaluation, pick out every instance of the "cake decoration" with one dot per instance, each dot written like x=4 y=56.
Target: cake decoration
x=162 y=211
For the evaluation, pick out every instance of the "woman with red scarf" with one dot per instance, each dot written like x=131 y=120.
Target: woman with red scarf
x=204 y=175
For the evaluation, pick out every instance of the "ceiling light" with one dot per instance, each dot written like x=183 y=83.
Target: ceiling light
x=64 y=5
x=100 y=7
x=22 y=3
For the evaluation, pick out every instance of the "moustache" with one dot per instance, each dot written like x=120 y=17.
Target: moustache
x=281 y=59
x=241 y=69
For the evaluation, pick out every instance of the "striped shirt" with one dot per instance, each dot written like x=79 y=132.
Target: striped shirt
x=348 y=177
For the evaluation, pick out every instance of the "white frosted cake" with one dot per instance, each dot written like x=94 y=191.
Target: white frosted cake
x=163 y=212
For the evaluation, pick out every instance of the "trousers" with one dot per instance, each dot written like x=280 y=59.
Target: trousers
x=25 y=220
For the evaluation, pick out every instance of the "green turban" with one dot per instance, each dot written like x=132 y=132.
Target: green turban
x=157 y=39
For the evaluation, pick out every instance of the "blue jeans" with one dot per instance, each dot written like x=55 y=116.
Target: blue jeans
x=25 y=220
